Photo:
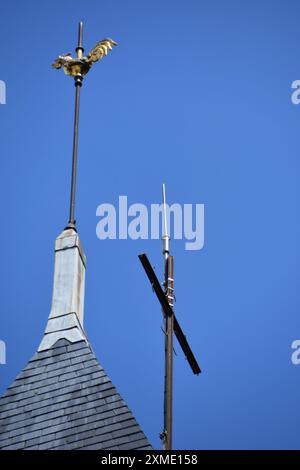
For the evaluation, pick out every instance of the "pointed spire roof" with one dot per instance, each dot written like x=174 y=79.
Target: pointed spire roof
x=63 y=398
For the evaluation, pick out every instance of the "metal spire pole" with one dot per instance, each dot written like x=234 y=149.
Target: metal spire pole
x=78 y=79
x=77 y=67
x=166 y=435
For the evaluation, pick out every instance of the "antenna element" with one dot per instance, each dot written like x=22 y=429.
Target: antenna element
x=165 y=236
x=166 y=300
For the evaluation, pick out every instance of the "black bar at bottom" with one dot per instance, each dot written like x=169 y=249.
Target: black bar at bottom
x=133 y=459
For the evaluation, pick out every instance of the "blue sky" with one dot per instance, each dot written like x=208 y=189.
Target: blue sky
x=198 y=95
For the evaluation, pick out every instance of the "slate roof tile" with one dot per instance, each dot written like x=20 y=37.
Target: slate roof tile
x=63 y=399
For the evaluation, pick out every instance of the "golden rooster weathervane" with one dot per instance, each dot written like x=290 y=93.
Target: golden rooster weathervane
x=83 y=64
x=78 y=67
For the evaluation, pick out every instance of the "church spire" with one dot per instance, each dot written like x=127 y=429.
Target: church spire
x=63 y=399
x=66 y=316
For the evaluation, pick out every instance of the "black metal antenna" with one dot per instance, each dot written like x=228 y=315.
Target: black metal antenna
x=166 y=300
x=166 y=435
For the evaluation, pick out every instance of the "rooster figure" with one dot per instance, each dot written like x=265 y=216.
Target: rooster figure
x=81 y=65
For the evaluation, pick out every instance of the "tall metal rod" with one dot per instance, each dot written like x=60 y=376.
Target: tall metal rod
x=166 y=300
x=165 y=232
x=169 y=330
x=78 y=83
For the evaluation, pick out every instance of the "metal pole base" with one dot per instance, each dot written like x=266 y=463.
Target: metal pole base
x=71 y=225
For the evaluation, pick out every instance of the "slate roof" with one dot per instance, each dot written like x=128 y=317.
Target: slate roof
x=63 y=399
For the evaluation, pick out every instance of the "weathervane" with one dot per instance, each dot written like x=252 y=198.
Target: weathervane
x=78 y=67
x=166 y=299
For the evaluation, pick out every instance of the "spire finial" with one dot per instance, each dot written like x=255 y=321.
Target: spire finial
x=79 y=48
x=78 y=67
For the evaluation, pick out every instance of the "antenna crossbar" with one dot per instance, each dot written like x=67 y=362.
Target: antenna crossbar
x=167 y=309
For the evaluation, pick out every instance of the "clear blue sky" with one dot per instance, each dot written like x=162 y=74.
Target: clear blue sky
x=197 y=94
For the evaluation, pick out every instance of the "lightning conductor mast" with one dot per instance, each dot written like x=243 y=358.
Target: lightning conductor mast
x=166 y=435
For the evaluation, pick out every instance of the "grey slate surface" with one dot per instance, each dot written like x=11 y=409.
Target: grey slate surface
x=63 y=399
